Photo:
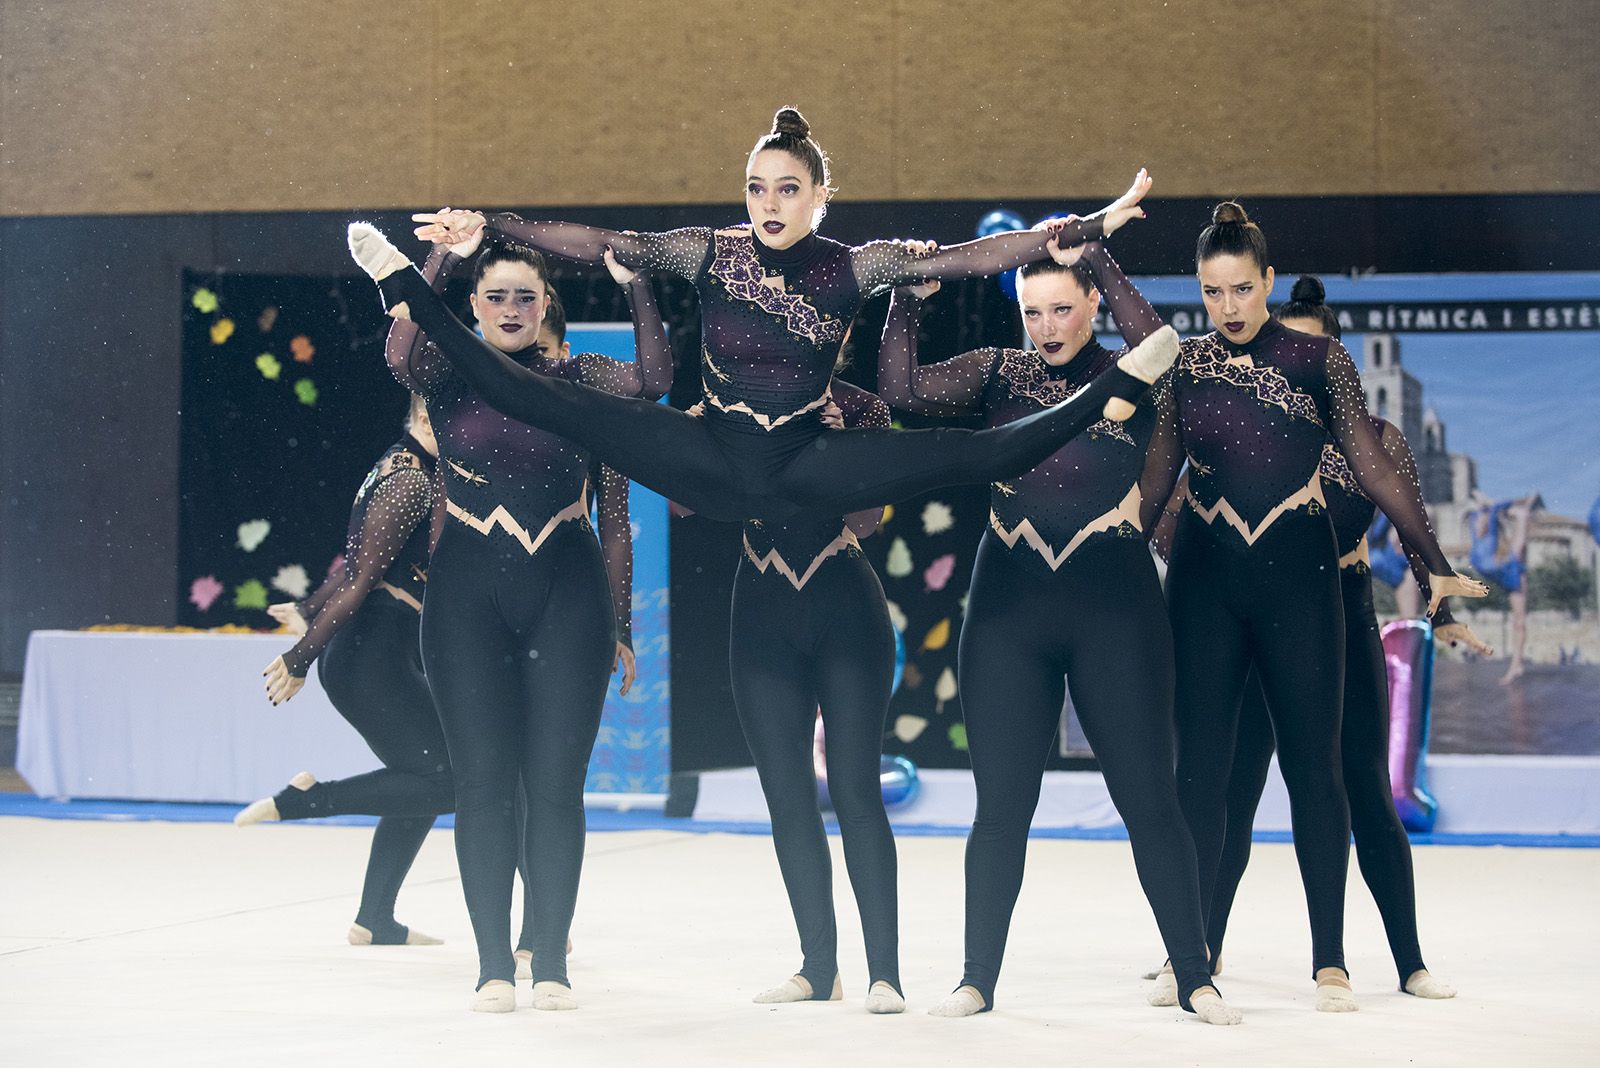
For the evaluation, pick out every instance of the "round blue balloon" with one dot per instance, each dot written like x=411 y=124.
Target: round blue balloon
x=1052 y=215
x=897 y=776
x=999 y=221
x=1008 y=283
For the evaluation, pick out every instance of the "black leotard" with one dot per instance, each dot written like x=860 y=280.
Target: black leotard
x=1063 y=589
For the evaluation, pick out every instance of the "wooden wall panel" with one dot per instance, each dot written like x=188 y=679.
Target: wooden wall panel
x=1478 y=96
x=300 y=105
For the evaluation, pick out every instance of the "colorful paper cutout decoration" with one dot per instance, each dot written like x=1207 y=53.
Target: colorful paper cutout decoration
x=909 y=728
x=306 y=390
x=939 y=636
x=899 y=563
x=204 y=591
x=958 y=737
x=269 y=366
x=221 y=331
x=888 y=514
x=912 y=679
x=253 y=533
x=302 y=348
x=944 y=690
x=250 y=594
x=937 y=518
x=267 y=319
x=897 y=617
x=937 y=577
x=292 y=580
x=337 y=567
x=204 y=301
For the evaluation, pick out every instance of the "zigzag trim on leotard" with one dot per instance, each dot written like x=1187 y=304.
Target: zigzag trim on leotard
x=736 y=267
x=1125 y=512
x=1360 y=556
x=1311 y=494
x=1207 y=358
x=765 y=422
x=774 y=559
x=578 y=509
x=1025 y=377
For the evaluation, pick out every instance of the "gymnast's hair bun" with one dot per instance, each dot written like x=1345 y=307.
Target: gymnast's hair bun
x=1228 y=213
x=790 y=123
x=1308 y=289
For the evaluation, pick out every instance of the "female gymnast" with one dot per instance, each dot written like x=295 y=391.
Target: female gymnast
x=1382 y=847
x=361 y=628
x=519 y=631
x=1064 y=594
x=1254 y=572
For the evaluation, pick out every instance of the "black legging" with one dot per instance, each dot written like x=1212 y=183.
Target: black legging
x=1382 y=847
x=831 y=644
x=1098 y=626
x=722 y=466
x=519 y=650
x=372 y=674
x=1276 y=605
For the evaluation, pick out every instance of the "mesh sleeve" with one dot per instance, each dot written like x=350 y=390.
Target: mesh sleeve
x=679 y=252
x=649 y=374
x=1136 y=319
x=1164 y=458
x=1394 y=443
x=398 y=502
x=954 y=387
x=616 y=546
x=1398 y=495
x=881 y=264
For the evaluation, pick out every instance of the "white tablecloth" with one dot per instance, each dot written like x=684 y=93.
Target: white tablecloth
x=171 y=717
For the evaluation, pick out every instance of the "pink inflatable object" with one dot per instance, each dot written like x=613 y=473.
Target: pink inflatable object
x=1408 y=658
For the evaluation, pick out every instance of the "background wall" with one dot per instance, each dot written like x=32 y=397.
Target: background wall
x=169 y=106
x=137 y=141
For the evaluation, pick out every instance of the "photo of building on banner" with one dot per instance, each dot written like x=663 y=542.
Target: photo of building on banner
x=1492 y=379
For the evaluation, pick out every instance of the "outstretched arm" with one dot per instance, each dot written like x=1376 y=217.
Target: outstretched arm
x=1399 y=497
x=678 y=251
x=881 y=264
x=416 y=365
x=954 y=387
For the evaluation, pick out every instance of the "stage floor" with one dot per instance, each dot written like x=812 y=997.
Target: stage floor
x=175 y=943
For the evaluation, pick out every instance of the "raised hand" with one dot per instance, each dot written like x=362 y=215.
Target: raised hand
x=280 y=684
x=461 y=231
x=619 y=274
x=1442 y=586
x=1461 y=634
x=1126 y=206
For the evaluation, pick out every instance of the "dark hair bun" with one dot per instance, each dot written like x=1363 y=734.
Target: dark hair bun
x=1230 y=213
x=790 y=123
x=1308 y=289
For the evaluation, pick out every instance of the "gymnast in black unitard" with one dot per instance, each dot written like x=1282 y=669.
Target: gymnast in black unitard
x=1254 y=577
x=1064 y=595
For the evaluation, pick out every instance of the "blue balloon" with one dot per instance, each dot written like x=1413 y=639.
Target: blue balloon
x=1594 y=520
x=999 y=221
x=1053 y=215
x=1008 y=283
x=898 y=779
